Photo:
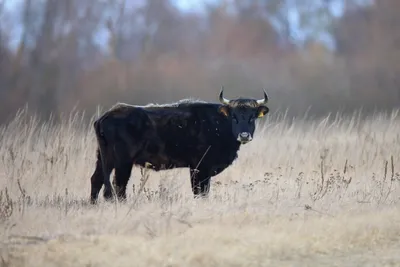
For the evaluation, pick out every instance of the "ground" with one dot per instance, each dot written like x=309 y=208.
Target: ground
x=322 y=193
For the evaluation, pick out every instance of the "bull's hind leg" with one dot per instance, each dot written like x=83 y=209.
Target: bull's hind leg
x=107 y=192
x=105 y=156
x=121 y=178
x=96 y=180
x=107 y=163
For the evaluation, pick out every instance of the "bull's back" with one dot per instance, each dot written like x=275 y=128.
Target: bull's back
x=125 y=126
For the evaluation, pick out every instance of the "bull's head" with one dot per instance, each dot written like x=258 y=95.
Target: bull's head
x=243 y=113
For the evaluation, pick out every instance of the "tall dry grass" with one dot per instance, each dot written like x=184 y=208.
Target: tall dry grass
x=304 y=192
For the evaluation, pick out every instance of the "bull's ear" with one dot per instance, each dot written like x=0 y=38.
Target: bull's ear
x=224 y=110
x=261 y=111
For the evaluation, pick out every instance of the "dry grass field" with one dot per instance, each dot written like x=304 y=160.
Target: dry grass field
x=302 y=193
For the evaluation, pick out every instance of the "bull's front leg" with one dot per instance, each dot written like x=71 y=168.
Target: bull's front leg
x=200 y=182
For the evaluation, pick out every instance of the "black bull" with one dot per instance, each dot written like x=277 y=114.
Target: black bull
x=204 y=137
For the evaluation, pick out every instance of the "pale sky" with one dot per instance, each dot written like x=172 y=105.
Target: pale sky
x=197 y=6
x=336 y=9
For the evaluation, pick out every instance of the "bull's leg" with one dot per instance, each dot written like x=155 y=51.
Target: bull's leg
x=121 y=178
x=107 y=192
x=107 y=169
x=97 y=180
x=104 y=153
x=200 y=181
x=201 y=178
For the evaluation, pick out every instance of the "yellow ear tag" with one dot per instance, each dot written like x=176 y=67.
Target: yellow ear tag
x=261 y=114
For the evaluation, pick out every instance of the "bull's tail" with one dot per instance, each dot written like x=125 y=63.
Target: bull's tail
x=99 y=131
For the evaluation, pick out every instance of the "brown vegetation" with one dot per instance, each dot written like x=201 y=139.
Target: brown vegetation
x=308 y=193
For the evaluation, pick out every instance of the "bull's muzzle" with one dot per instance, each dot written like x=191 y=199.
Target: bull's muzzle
x=244 y=137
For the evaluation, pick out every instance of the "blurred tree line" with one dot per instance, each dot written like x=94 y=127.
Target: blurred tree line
x=59 y=54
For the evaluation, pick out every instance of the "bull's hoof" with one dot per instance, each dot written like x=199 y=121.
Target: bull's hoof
x=121 y=198
x=108 y=196
x=93 y=201
x=201 y=196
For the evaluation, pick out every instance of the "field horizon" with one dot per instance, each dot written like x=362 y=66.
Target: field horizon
x=321 y=192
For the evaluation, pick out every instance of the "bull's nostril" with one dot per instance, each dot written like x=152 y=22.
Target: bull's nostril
x=244 y=137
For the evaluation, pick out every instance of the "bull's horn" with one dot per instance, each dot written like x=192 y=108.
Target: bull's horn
x=263 y=101
x=221 y=97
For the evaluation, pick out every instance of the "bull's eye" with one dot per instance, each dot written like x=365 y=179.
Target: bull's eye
x=235 y=119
